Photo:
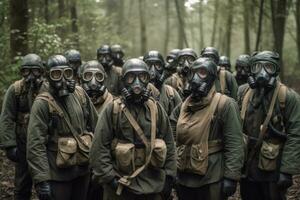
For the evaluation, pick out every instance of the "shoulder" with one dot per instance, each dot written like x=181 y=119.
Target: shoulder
x=242 y=89
x=117 y=70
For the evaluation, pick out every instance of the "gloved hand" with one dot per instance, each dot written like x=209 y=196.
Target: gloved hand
x=229 y=187
x=43 y=190
x=114 y=183
x=285 y=181
x=166 y=192
x=12 y=154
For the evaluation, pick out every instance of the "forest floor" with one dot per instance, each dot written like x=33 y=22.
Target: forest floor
x=7 y=182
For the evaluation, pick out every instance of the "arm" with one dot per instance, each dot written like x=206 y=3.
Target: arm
x=290 y=162
x=93 y=115
x=174 y=118
x=8 y=120
x=233 y=141
x=37 y=141
x=100 y=154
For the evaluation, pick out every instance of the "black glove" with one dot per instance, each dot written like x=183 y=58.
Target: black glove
x=43 y=190
x=12 y=154
x=285 y=181
x=166 y=192
x=114 y=183
x=229 y=187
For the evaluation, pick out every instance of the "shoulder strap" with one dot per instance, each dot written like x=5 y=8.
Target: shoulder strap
x=126 y=180
x=79 y=92
x=118 y=70
x=282 y=95
x=116 y=109
x=247 y=96
x=222 y=77
x=18 y=87
x=222 y=102
x=170 y=91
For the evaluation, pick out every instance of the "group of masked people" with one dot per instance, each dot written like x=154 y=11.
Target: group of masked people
x=151 y=127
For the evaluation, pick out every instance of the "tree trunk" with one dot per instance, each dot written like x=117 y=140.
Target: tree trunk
x=121 y=17
x=229 y=27
x=261 y=10
x=167 y=33
x=216 y=14
x=182 y=39
x=18 y=28
x=143 y=27
x=279 y=13
x=297 y=16
x=46 y=11
x=74 y=23
x=246 y=27
x=201 y=25
x=61 y=8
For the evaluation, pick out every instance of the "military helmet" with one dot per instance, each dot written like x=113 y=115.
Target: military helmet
x=206 y=63
x=225 y=61
x=116 y=48
x=211 y=52
x=133 y=65
x=187 y=52
x=153 y=56
x=243 y=60
x=32 y=60
x=266 y=56
x=104 y=49
x=92 y=64
x=57 y=60
x=73 y=55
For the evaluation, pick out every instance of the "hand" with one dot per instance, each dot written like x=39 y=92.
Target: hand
x=166 y=192
x=12 y=154
x=285 y=181
x=229 y=187
x=43 y=190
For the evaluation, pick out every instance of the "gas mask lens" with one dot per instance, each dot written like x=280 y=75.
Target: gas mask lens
x=201 y=73
x=189 y=59
x=36 y=71
x=57 y=74
x=270 y=68
x=142 y=76
x=89 y=75
x=170 y=59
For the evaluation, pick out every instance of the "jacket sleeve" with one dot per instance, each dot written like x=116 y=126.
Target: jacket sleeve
x=37 y=140
x=290 y=162
x=100 y=154
x=232 y=85
x=93 y=115
x=8 y=119
x=164 y=128
x=233 y=141
x=174 y=118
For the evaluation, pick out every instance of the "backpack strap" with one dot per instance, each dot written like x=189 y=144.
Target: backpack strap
x=247 y=96
x=222 y=77
x=170 y=91
x=18 y=87
x=53 y=107
x=118 y=70
x=282 y=96
x=80 y=93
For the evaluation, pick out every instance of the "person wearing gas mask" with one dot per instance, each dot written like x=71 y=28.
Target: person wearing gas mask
x=226 y=83
x=224 y=63
x=185 y=58
x=74 y=58
x=92 y=81
x=112 y=82
x=242 y=67
x=14 y=121
x=173 y=79
x=133 y=152
x=117 y=54
x=60 y=133
x=168 y=96
x=270 y=112
x=209 y=138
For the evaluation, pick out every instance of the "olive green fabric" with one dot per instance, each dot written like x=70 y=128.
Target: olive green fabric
x=176 y=82
x=231 y=85
x=226 y=126
x=105 y=99
x=113 y=80
x=44 y=129
x=103 y=162
x=287 y=116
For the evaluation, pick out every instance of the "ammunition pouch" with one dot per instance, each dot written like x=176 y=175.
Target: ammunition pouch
x=159 y=153
x=194 y=158
x=268 y=156
x=125 y=153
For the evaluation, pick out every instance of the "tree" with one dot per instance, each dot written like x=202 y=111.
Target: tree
x=259 y=29
x=143 y=27
x=279 y=13
x=182 y=39
x=216 y=14
x=167 y=33
x=74 y=21
x=19 y=20
x=229 y=26
x=201 y=25
x=297 y=16
x=246 y=26
x=46 y=11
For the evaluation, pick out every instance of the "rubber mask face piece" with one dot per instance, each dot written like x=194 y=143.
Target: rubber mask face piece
x=184 y=63
x=32 y=76
x=106 y=60
x=92 y=82
x=263 y=73
x=61 y=79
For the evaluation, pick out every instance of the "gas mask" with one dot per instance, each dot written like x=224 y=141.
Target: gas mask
x=136 y=86
x=242 y=71
x=172 y=61
x=32 y=76
x=184 y=63
x=117 y=54
x=212 y=53
x=106 y=61
x=262 y=75
x=92 y=82
x=61 y=79
x=224 y=62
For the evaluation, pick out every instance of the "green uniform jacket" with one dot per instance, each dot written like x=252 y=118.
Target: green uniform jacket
x=103 y=162
x=226 y=163
x=113 y=80
x=289 y=158
x=14 y=117
x=43 y=131
x=105 y=99
x=176 y=82
x=231 y=85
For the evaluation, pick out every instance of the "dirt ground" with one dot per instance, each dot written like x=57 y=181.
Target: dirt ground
x=7 y=184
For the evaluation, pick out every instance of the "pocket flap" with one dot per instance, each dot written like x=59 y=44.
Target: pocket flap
x=270 y=150
x=67 y=145
x=199 y=152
